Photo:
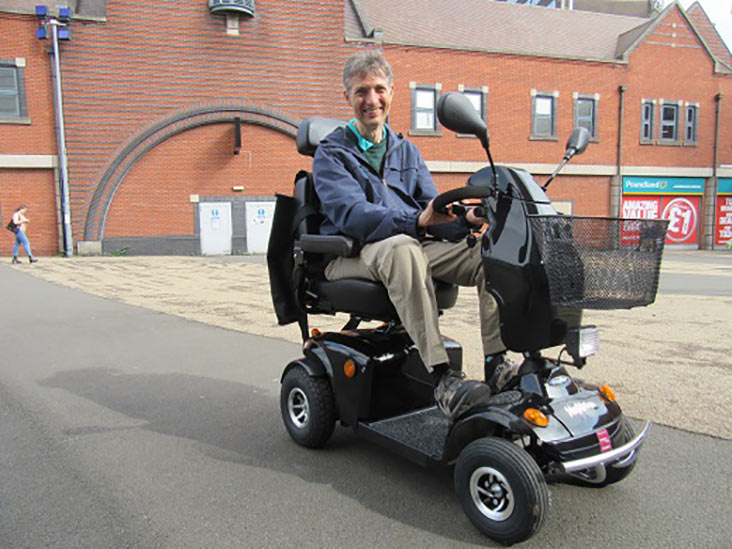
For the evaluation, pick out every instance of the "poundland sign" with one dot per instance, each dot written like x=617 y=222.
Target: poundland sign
x=663 y=185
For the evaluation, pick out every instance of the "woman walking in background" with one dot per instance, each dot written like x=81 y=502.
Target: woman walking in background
x=21 y=221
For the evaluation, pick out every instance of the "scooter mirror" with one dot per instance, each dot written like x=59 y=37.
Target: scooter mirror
x=578 y=141
x=457 y=113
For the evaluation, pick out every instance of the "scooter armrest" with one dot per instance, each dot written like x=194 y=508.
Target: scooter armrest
x=341 y=246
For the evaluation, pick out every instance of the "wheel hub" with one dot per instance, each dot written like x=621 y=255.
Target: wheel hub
x=491 y=493
x=298 y=408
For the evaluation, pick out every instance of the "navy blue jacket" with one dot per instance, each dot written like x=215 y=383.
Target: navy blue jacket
x=357 y=202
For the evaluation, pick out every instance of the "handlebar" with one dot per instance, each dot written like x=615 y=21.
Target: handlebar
x=442 y=200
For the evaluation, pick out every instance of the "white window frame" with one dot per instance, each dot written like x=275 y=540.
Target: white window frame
x=594 y=100
x=691 y=124
x=662 y=124
x=646 y=122
x=553 y=100
x=416 y=110
x=15 y=67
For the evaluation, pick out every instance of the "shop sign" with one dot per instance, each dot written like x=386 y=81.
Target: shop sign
x=663 y=185
x=682 y=213
x=723 y=226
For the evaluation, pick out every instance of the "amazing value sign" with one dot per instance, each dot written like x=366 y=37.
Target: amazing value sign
x=723 y=217
x=682 y=213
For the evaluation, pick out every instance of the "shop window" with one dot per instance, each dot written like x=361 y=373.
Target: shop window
x=648 y=111
x=424 y=103
x=691 y=123
x=669 y=127
x=543 y=115
x=13 y=106
x=585 y=113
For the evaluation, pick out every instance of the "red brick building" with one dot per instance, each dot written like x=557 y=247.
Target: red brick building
x=169 y=115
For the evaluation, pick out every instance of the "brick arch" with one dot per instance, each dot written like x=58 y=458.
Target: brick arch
x=161 y=131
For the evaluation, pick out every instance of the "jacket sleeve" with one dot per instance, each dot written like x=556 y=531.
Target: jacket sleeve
x=346 y=205
x=452 y=232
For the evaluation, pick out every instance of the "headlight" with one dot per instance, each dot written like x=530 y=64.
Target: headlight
x=583 y=342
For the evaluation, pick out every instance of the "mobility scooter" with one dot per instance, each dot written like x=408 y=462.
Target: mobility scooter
x=543 y=268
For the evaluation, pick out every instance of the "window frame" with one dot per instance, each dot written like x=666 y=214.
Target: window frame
x=693 y=107
x=595 y=99
x=18 y=67
x=553 y=97
x=414 y=110
x=676 y=124
x=649 y=123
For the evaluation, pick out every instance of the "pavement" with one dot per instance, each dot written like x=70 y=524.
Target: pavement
x=670 y=362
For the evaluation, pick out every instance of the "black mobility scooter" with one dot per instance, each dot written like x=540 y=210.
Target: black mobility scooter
x=543 y=269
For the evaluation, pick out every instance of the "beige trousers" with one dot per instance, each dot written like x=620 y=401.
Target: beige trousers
x=406 y=267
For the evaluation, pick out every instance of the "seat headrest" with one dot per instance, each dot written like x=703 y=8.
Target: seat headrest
x=312 y=131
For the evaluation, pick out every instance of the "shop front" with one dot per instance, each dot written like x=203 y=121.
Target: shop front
x=723 y=214
x=678 y=199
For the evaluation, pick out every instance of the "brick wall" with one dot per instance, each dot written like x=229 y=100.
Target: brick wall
x=144 y=63
x=155 y=196
x=33 y=187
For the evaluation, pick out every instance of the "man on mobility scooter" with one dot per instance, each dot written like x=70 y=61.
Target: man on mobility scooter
x=374 y=187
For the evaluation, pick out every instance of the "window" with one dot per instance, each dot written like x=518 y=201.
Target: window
x=648 y=109
x=424 y=117
x=543 y=115
x=585 y=112
x=13 y=107
x=477 y=98
x=691 y=121
x=669 y=122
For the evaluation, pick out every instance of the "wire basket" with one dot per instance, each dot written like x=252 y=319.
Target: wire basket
x=599 y=262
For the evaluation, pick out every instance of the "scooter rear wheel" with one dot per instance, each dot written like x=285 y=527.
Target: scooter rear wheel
x=501 y=489
x=308 y=408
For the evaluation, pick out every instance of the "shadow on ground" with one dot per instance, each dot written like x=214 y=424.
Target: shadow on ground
x=241 y=423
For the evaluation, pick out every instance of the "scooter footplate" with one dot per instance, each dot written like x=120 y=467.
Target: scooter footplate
x=420 y=435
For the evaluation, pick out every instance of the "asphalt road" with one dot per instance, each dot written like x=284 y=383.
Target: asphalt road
x=124 y=427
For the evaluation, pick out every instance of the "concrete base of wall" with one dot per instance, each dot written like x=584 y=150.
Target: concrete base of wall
x=89 y=247
x=164 y=245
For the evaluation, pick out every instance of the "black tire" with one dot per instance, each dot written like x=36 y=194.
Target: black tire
x=501 y=489
x=307 y=407
x=612 y=474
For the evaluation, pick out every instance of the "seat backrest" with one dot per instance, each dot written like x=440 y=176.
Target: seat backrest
x=312 y=131
x=308 y=217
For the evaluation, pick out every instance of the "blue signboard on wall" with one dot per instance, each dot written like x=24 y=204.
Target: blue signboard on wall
x=725 y=185
x=663 y=185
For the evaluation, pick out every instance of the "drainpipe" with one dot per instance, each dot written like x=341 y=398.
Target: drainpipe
x=715 y=178
x=616 y=198
x=61 y=138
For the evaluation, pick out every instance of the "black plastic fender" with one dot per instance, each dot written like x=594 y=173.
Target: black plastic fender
x=314 y=368
x=481 y=424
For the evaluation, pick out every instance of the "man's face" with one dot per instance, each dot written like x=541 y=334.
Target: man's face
x=370 y=97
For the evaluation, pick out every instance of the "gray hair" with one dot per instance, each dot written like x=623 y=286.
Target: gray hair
x=365 y=63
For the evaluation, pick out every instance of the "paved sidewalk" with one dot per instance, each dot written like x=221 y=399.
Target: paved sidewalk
x=670 y=362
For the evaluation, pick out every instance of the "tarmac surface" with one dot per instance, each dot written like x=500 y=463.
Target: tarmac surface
x=670 y=362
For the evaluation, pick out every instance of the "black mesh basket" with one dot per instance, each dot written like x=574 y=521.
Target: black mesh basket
x=599 y=262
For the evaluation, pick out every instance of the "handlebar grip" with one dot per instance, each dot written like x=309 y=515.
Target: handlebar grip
x=455 y=195
x=459 y=210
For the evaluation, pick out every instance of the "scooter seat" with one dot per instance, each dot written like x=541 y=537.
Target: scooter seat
x=369 y=299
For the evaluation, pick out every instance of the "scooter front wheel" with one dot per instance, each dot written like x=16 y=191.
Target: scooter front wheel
x=501 y=489
x=308 y=408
